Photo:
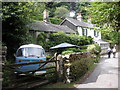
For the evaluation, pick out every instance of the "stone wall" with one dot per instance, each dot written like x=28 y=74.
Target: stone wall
x=78 y=56
x=3 y=52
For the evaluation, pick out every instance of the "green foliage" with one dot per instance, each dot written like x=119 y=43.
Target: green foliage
x=16 y=16
x=80 y=67
x=81 y=8
x=78 y=7
x=60 y=37
x=73 y=50
x=96 y=59
x=55 y=20
x=41 y=39
x=6 y=77
x=106 y=15
x=115 y=37
x=111 y=37
x=94 y=48
x=61 y=12
x=67 y=52
x=52 y=77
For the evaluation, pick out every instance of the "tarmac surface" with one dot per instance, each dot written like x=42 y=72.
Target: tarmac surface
x=105 y=75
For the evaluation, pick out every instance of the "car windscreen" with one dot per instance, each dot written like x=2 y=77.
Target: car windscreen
x=30 y=52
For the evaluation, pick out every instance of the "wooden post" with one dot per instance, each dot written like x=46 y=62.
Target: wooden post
x=60 y=67
x=66 y=71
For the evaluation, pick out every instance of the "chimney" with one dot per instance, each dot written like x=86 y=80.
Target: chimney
x=79 y=17
x=46 y=16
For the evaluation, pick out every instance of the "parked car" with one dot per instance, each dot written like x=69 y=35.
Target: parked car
x=30 y=53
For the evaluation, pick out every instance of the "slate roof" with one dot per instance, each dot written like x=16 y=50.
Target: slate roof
x=77 y=22
x=46 y=27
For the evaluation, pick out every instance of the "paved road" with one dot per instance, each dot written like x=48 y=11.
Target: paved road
x=105 y=74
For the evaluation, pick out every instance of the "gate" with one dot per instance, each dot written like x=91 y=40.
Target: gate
x=30 y=74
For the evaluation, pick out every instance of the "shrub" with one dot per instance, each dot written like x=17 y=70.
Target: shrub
x=94 y=48
x=67 y=52
x=73 y=50
x=61 y=37
x=41 y=39
x=52 y=77
x=55 y=20
x=80 y=67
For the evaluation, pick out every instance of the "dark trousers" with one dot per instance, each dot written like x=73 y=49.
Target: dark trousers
x=109 y=53
x=114 y=54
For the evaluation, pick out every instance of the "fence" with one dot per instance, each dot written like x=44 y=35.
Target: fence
x=11 y=67
x=62 y=66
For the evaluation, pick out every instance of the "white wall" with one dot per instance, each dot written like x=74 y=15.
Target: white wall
x=90 y=32
x=79 y=29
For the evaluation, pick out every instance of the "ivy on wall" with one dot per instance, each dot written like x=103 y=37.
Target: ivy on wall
x=49 y=40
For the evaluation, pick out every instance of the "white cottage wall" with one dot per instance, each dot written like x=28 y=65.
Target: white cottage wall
x=79 y=29
x=90 y=32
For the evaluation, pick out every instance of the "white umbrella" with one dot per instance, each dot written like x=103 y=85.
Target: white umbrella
x=64 y=45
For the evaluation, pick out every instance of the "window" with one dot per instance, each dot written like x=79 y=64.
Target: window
x=84 y=31
x=31 y=52
x=96 y=33
x=20 y=52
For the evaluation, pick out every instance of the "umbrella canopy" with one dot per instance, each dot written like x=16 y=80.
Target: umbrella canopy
x=64 y=45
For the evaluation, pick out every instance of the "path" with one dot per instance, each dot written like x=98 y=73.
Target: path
x=105 y=74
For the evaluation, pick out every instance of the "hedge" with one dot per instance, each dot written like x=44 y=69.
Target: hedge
x=52 y=39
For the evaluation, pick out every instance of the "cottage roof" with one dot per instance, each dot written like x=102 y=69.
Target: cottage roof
x=77 y=22
x=46 y=27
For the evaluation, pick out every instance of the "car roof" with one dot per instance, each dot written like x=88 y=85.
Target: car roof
x=30 y=45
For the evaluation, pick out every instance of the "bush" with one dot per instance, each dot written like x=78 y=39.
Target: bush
x=67 y=52
x=80 y=67
x=73 y=50
x=52 y=77
x=41 y=39
x=61 y=37
x=94 y=48
x=55 y=20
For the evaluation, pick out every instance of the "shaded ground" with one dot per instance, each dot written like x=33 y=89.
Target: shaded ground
x=105 y=74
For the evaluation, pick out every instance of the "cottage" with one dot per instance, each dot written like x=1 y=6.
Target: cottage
x=86 y=29
x=82 y=28
x=47 y=27
x=40 y=26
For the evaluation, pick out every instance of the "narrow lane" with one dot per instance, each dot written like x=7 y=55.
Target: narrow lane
x=105 y=74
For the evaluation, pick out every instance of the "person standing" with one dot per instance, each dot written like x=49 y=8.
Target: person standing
x=109 y=52
x=114 y=52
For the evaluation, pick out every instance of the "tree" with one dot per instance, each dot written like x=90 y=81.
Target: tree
x=16 y=16
x=106 y=15
x=51 y=6
x=37 y=11
x=81 y=8
x=61 y=12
